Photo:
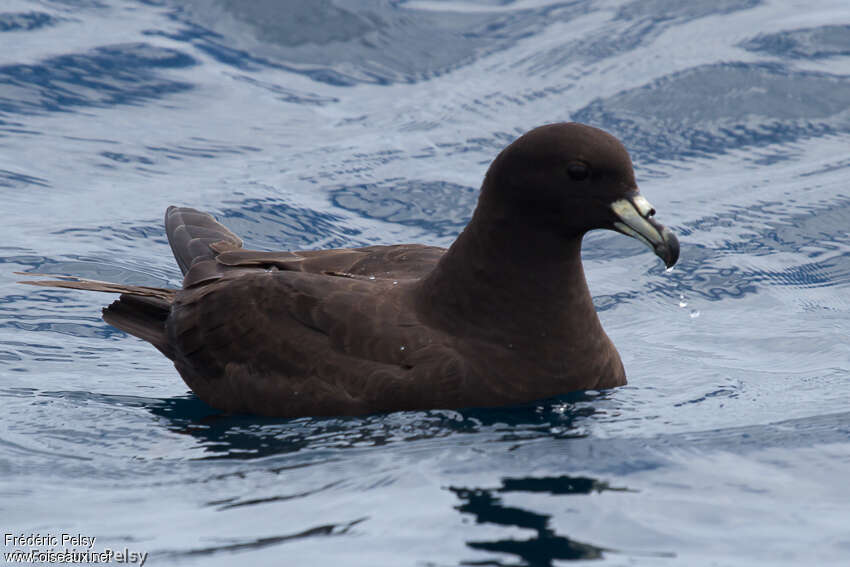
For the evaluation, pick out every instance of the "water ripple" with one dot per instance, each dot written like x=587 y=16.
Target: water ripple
x=26 y=21
x=107 y=76
x=806 y=43
x=712 y=109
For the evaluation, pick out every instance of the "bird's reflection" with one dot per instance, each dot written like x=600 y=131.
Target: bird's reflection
x=545 y=546
x=247 y=437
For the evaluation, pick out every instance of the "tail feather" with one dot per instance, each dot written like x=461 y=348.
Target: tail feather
x=142 y=317
x=196 y=238
x=71 y=282
x=140 y=311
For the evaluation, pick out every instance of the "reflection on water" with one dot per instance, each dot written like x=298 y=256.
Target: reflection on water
x=250 y=437
x=545 y=546
x=259 y=543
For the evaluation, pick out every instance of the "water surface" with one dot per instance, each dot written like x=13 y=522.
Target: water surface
x=326 y=124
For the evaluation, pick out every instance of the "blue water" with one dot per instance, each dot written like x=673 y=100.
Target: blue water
x=324 y=124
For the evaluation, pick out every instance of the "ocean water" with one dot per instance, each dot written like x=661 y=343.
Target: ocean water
x=344 y=123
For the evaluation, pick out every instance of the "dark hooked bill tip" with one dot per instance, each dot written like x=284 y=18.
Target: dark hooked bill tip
x=634 y=217
x=668 y=248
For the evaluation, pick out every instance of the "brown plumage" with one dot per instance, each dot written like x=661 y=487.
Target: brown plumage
x=503 y=316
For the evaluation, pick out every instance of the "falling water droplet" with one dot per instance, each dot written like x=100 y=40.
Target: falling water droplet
x=371 y=277
x=402 y=347
x=394 y=283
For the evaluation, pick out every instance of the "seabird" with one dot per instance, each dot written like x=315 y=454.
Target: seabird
x=502 y=316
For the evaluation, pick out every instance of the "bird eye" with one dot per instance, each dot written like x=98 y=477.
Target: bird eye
x=578 y=171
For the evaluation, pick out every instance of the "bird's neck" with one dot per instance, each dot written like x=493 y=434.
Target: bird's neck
x=501 y=279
